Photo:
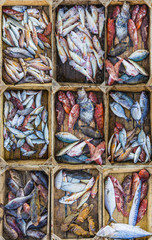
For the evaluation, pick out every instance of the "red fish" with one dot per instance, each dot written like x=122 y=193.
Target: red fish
x=119 y=126
x=116 y=68
x=116 y=11
x=73 y=116
x=96 y=152
x=99 y=118
x=11 y=196
x=144 y=190
x=26 y=119
x=116 y=184
x=65 y=101
x=26 y=147
x=110 y=32
x=113 y=148
x=120 y=202
x=144 y=175
x=145 y=31
x=11 y=11
x=142 y=155
x=135 y=183
x=116 y=132
x=93 y=97
x=141 y=14
x=142 y=210
x=126 y=185
x=44 y=39
x=60 y=115
x=135 y=12
x=133 y=33
x=8 y=35
x=12 y=114
x=17 y=103
x=111 y=70
x=95 y=188
x=48 y=29
x=71 y=97
x=134 y=149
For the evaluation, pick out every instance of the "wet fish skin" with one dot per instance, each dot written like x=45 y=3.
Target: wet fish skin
x=144 y=105
x=28 y=187
x=99 y=117
x=133 y=80
x=66 y=137
x=141 y=14
x=73 y=160
x=90 y=132
x=60 y=115
x=142 y=210
x=17 y=202
x=73 y=116
x=73 y=187
x=9 y=230
x=118 y=110
x=110 y=33
x=136 y=112
x=135 y=12
x=121 y=207
x=139 y=55
x=118 y=49
x=126 y=185
x=12 y=185
x=133 y=33
x=35 y=207
x=145 y=31
x=123 y=99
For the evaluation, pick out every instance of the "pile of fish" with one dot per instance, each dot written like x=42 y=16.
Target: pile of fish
x=120 y=25
x=78 y=217
x=26 y=31
x=25 y=214
x=77 y=30
x=86 y=109
x=134 y=188
x=129 y=145
x=80 y=183
x=23 y=115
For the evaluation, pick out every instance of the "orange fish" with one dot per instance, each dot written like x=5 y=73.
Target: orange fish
x=73 y=116
x=142 y=210
x=133 y=33
x=92 y=227
x=79 y=231
x=111 y=70
x=44 y=39
x=65 y=101
x=113 y=148
x=93 y=97
x=144 y=175
x=96 y=152
x=95 y=188
x=85 y=211
x=141 y=14
x=116 y=67
x=110 y=32
x=124 y=155
x=48 y=29
x=26 y=208
x=99 y=118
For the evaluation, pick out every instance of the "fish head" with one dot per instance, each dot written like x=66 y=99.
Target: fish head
x=106 y=231
x=81 y=94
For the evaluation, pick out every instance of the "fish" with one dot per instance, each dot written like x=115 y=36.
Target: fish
x=111 y=70
x=117 y=66
x=84 y=212
x=86 y=106
x=120 y=202
x=77 y=149
x=133 y=80
x=35 y=234
x=71 y=98
x=58 y=180
x=142 y=210
x=101 y=22
x=130 y=69
x=144 y=174
x=28 y=187
x=60 y=115
x=118 y=49
x=73 y=116
x=66 y=149
x=94 y=189
x=139 y=55
x=16 y=177
x=140 y=15
x=82 y=15
x=136 y=112
x=122 y=231
x=121 y=22
x=91 y=24
x=90 y=132
x=135 y=206
x=92 y=96
x=123 y=138
x=72 y=187
x=99 y=117
x=73 y=160
x=133 y=33
x=109 y=198
x=116 y=11
x=42 y=223
x=84 y=199
x=65 y=101
x=110 y=33
x=61 y=50
x=135 y=183
x=66 y=137
x=79 y=231
x=116 y=184
x=144 y=190
x=9 y=230
x=64 y=199
x=96 y=152
x=43 y=192
x=145 y=31
x=139 y=68
x=35 y=207
x=142 y=138
x=135 y=12
x=144 y=105
x=126 y=185
x=118 y=110
x=17 y=202
x=123 y=99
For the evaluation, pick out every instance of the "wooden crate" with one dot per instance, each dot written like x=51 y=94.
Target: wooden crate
x=64 y=72
x=134 y=93
x=58 y=145
x=39 y=4
x=58 y=210
x=12 y=157
x=120 y=173
x=147 y=63
x=4 y=172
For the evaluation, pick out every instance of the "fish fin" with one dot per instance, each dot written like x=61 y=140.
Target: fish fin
x=111 y=220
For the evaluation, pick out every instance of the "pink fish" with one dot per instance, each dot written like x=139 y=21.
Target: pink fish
x=77 y=150
x=133 y=33
x=96 y=152
x=73 y=116
x=116 y=184
x=130 y=69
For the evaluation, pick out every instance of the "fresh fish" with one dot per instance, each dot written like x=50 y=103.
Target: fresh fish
x=43 y=151
x=134 y=80
x=77 y=149
x=135 y=12
x=69 y=29
x=60 y=115
x=122 y=231
x=139 y=68
x=73 y=187
x=78 y=174
x=126 y=185
x=35 y=234
x=123 y=99
x=73 y=116
x=118 y=110
x=123 y=138
x=9 y=230
x=112 y=71
x=116 y=11
x=144 y=104
x=135 y=183
x=42 y=223
x=137 y=154
x=16 y=177
x=28 y=187
x=121 y=22
x=135 y=206
x=66 y=149
x=35 y=207
x=13 y=185
x=144 y=190
x=110 y=33
x=110 y=202
x=101 y=22
x=95 y=188
x=145 y=31
x=141 y=14
x=120 y=202
x=17 y=202
x=90 y=132
x=84 y=199
x=136 y=112
x=133 y=33
x=66 y=137
x=99 y=117
x=65 y=101
x=142 y=210
x=82 y=15
x=58 y=180
x=139 y=55
x=130 y=69
x=91 y=24
x=118 y=49
x=61 y=50
x=73 y=160
x=63 y=200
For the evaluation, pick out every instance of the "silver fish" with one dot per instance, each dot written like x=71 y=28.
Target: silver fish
x=39 y=134
x=118 y=110
x=43 y=151
x=66 y=137
x=17 y=202
x=136 y=112
x=122 y=99
x=20 y=143
x=7 y=95
x=122 y=21
x=38 y=141
x=123 y=138
x=17 y=132
x=144 y=103
x=46 y=134
x=28 y=154
x=37 y=121
x=58 y=180
x=38 y=99
x=63 y=200
x=137 y=154
x=72 y=187
x=142 y=138
x=109 y=198
x=148 y=144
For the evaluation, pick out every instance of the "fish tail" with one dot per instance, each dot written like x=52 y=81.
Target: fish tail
x=111 y=220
